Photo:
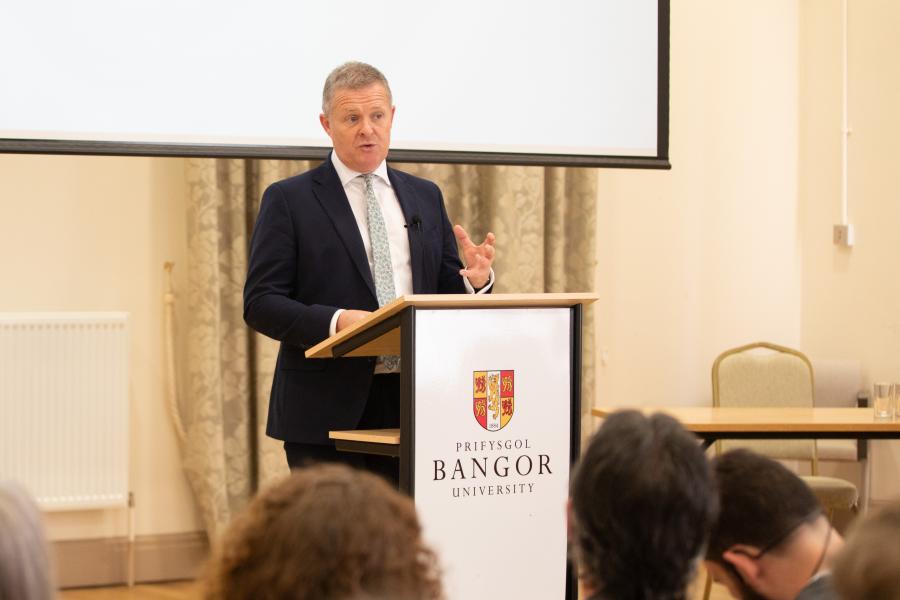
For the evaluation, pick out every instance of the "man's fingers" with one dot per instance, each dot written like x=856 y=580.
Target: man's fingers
x=479 y=263
x=462 y=237
x=466 y=242
x=488 y=242
x=483 y=252
x=478 y=258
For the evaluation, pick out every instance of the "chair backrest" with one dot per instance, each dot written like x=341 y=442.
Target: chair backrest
x=762 y=375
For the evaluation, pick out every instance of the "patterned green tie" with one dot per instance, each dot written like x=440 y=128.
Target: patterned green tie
x=382 y=269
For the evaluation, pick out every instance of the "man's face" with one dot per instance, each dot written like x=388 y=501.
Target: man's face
x=359 y=125
x=737 y=587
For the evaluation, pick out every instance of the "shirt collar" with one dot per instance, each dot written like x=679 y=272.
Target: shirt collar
x=346 y=174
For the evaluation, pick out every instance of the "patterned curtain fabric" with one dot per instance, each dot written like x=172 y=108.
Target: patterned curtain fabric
x=545 y=223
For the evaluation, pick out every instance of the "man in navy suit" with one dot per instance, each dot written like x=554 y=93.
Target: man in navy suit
x=330 y=246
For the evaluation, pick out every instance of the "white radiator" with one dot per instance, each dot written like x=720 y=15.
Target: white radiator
x=64 y=407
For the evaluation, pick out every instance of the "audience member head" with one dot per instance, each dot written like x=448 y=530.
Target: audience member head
x=25 y=569
x=771 y=536
x=869 y=564
x=326 y=532
x=642 y=500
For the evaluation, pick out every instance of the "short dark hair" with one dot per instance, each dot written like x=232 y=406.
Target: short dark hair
x=326 y=532
x=642 y=500
x=761 y=503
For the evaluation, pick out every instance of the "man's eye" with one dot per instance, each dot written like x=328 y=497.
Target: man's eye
x=353 y=118
x=377 y=116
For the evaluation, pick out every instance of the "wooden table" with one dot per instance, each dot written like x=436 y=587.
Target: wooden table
x=711 y=424
x=708 y=423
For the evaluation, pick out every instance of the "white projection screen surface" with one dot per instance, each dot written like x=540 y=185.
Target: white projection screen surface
x=578 y=82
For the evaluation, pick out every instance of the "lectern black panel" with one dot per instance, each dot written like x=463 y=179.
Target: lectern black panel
x=407 y=399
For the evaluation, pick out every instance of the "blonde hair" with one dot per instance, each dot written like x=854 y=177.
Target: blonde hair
x=326 y=532
x=352 y=76
x=25 y=566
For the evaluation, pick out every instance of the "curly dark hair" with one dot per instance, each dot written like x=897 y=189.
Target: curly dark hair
x=643 y=498
x=327 y=532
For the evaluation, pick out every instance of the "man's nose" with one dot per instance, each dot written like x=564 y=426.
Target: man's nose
x=366 y=127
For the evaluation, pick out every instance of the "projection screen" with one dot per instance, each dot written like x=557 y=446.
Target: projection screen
x=569 y=82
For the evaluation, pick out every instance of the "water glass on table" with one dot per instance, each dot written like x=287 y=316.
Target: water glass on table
x=884 y=400
x=895 y=398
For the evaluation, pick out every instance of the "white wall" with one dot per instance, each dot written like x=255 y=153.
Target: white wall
x=734 y=244
x=91 y=233
x=706 y=256
x=851 y=297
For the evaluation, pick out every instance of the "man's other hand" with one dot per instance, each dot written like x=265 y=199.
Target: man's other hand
x=349 y=317
x=478 y=258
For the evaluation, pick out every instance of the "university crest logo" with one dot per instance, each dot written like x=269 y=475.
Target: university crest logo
x=493 y=395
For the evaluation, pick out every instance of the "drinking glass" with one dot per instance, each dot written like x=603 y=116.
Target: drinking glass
x=895 y=398
x=883 y=403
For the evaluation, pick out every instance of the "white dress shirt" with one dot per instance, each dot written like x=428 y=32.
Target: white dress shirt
x=355 y=188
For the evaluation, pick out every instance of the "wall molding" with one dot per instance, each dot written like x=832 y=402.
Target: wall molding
x=104 y=561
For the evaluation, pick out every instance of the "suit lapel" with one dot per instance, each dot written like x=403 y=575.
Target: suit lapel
x=330 y=194
x=409 y=204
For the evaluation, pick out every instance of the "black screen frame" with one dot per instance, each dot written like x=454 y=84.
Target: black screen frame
x=152 y=149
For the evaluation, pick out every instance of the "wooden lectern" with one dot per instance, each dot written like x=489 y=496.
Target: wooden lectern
x=489 y=428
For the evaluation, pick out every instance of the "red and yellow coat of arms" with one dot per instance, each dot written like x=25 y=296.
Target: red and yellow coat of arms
x=494 y=398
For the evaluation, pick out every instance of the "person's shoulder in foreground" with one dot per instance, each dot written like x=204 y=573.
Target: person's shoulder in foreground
x=819 y=588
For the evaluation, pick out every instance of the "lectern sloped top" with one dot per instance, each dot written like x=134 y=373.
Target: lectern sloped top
x=389 y=341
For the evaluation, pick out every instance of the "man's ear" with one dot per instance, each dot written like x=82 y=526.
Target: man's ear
x=739 y=556
x=326 y=124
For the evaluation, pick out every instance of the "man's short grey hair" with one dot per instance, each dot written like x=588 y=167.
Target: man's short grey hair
x=25 y=566
x=352 y=76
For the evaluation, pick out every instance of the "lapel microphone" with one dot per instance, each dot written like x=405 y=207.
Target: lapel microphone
x=415 y=223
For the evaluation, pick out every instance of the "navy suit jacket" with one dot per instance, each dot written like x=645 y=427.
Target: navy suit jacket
x=307 y=259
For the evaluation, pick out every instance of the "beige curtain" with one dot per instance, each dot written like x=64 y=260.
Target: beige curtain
x=545 y=222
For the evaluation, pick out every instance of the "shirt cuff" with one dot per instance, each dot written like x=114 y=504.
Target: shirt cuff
x=487 y=286
x=332 y=328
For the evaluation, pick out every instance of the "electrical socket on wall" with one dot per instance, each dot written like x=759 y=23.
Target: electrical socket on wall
x=842 y=235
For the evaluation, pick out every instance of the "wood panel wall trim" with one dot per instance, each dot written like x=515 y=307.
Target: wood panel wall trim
x=102 y=562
